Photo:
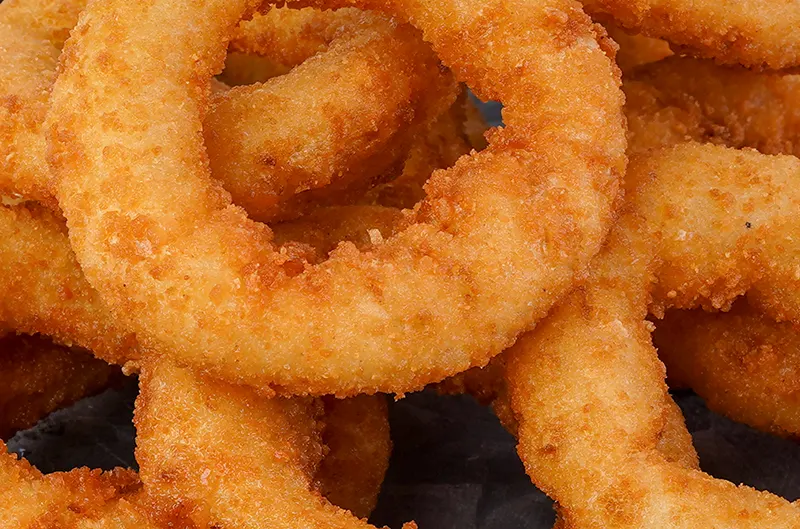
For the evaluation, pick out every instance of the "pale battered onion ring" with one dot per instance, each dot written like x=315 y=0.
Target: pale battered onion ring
x=211 y=448
x=584 y=385
x=743 y=364
x=198 y=280
x=755 y=33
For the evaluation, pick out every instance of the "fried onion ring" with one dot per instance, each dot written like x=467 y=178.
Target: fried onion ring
x=743 y=364
x=31 y=35
x=394 y=85
x=681 y=98
x=168 y=251
x=359 y=445
x=754 y=33
x=211 y=448
x=38 y=377
x=277 y=146
x=595 y=452
x=44 y=290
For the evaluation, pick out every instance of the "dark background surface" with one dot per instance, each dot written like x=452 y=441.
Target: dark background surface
x=453 y=465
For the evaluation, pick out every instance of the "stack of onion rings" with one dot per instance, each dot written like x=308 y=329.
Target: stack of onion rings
x=460 y=248
x=137 y=174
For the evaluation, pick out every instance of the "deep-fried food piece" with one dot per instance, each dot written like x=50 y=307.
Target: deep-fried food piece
x=44 y=290
x=213 y=448
x=198 y=280
x=488 y=386
x=31 y=35
x=343 y=118
x=585 y=385
x=359 y=445
x=290 y=36
x=272 y=43
x=743 y=364
x=755 y=33
x=355 y=130
x=38 y=377
x=452 y=135
x=325 y=228
x=79 y=499
x=681 y=99
x=636 y=50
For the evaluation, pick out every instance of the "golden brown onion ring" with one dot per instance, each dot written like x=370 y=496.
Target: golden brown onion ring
x=167 y=242
x=680 y=99
x=38 y=377
x=754 y=33
x=354 y=132
x=212 y=448
x=743 y=364
x=585 y=384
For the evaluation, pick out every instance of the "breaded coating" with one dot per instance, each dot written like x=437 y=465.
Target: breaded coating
x=31 y=35
x=745 y=366
x=754 y=33
x=323 y=230
x=452 y=135
x=79 y=499
x=289 y=36
x=359 y=446
x=44 y=290
x=199 y=281
x=229 y=457
x=346 y=117
x=38 y=377
x=587 y=383
x=489 y=387
x=681 y=99
x=355 y=131
x=272 y=43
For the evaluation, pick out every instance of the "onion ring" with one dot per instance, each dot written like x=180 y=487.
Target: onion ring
x=288 y=36
x=753 y=33
x=31 y=35
x=680 y=98
x=741 y=363
x=276 y=154
x=211 y=448
x=488 y=386
x=44 y=290
x=167 y=237
x=595 y=452
x=264 y=169
x=357 y=436
x=33 y=236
